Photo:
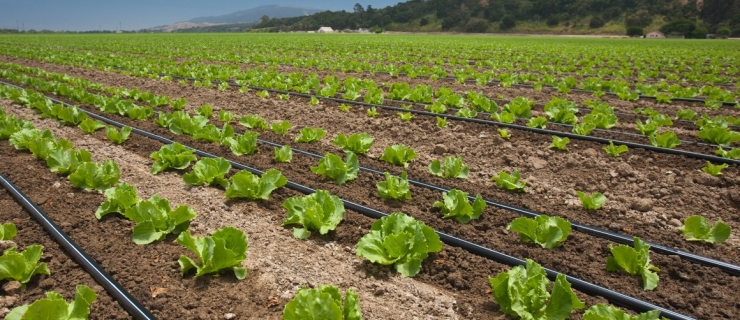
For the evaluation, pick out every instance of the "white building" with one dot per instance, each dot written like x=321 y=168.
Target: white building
x=325 y=30
x=654 y=35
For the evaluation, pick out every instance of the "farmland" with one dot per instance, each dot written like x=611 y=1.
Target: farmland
x=620 y=139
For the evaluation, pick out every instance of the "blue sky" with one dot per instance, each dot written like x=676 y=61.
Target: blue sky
x=78 y=15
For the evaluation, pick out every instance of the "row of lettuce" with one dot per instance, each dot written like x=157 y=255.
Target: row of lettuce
x=397 y=239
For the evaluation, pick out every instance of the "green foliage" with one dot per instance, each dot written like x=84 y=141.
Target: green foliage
x=66 y=161
x=602 y=311
x=583 y=128
x=309 y=135
x=561 y=111
x=7 y=231
x=441 y=122
x=504 y=117
x=731 y=154
x=183 y=123
x=253 y=121
x=323 y=302
x=345 y=108
x=319 y=211
x=283 y=154
x=452 y=167
x=226 y=249
x=615 y=151
x=697 y=228
x=280 y=127
x=714 y=170
x=466 y=112
x=245 y=184
x=210 y=133
x=719 y=135
x=667 y=139
x=548 y=232
x=504 y=133
x=89 y=125
x=332 y=167
x=55 y=307
x=358 y=143
x=372 y=112
x=314 y=101
x=21 y=266
x=263 y=94
x=95 y=176
x=243 y=144
x=117 y=199
x=593 y=201
x=686 y=114
x=634 y=261
x=209 y=171
x=71 y=116
x=537 y=122
x=155 y=219
x=560 y=143
x=117 y=137
x=174 y=156
x=510 y=182
x=399 y=155
x=522 y=292
x=520 y=107
x=226 y=116
x=456 y=205
x=405 y=116
x=10 y=125
x=401 y=241
x=206 y=110
x=394 y=187
x=179 y=104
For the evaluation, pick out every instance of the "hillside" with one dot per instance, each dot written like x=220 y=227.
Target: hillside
x=237 y=21
x=529 y=16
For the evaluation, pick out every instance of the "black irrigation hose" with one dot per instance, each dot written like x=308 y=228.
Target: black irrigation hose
x=578 y=284
x=129 y=303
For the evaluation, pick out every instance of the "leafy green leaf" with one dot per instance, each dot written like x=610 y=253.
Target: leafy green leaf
x=118 y=137
x=714 y=170
x=667 y=139
x=591 y=202
x=71 y=116
x=245 y=184
x=89 y=125
x=211 y=133
x=719 y=135
x=520 y=107
x=8 y=231
x=456 y=205
x=398 y=155
x=94 y=176
x=548 y=232
x=394 y=187
x=21 y=266
x=55 y=307
x=359 y=143
x=155 y=219
x=174 y=156
x=117 y=199
x=309 y=134
x=205 y=110
x=226 y=249
x=280 y=127
x=253 y=121
x=602 y=311
x=615 y=151
x=323 y=302
x=697 y=228
x=67 y=161
x=320 y=211
x=537 y=122
x=210 y=171
x=453 y=167
x=283 y=154
x=225 y=116
x=243 y=144
x=561 y=111
x=559 y=143
x=401 y=241
x=686 y=114
x=634 y=261
x=332 y=167
x=510 y=182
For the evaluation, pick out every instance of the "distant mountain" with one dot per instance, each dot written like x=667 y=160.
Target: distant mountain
x=249 y=16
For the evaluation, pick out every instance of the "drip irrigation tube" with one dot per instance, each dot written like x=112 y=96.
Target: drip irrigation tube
x=130 y=304
x=581 y=285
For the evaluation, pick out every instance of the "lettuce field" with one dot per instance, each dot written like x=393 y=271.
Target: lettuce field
x=307 y=176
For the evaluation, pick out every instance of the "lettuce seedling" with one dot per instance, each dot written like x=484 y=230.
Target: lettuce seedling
x=522 y=292
x=583 y=128
x=466 y=112
x=520 y=107
x=226 y=249
x=436 y=107
x=634 y=261
x=309 y=134
x=394 y=187
x=453 y=167
x=332 y=167
x=71 y=116
x=55 y=307
x=179 y=104
x=319 y=211
x=559 y=143
x=245 y=184
x=205 y=110
x=95 y=176
x=510 y=182
x=504 y=133
x=441 y=122
x=405 y=116
x=280 y=127
x=615 y=151
x=399 y=155
x=456 y=205
x=89 y=125
x=504 y=117
x=139 y=113
x=253 y=121
x=358 y=143
x=314 y=101
x=323 y=302
x=225 y=116
x=117 y=137
x=538 y=122
x=21 y=266
x=10 y=125
x=66 y=161
x=182 y=123
x=667 y=139
x=7 y=231
x=243 y=144
x=561 y=111
x=174 y=156
x=602 y=311
x=686 y=114
x=697 y=228
x=714 y=170
x=155 y=219
x=718 y=135
x=372 y=112
x=164 y=119
x=117 y=199
x=731 y=154
x=210 y=171
x=591 y=202
x=548 y=232
x=401 y=241
x=283 y=154
x=210 y=133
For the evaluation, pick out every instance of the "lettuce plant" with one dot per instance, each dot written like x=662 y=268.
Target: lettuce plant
x=242 y=144
x=117 y=137
x=583 y=128
x=714 y=170
x=55 y=307
x=209 y=171
x=155 y=219
x=399 y=155
x=89 y=125
x=561 y=111
x=309 y=134
x=522 y=292
x=245 y=184
x=372 y=112
x=117 y=199
x=332 y=167
x=405 y=116
x=179 y=104
x=667 y=139
x=634 y=261
x=10 y=125
x=591 y=202
x=359 y=143
x=719 y=135
x=504 y=117
x=174 y=156
x=394 y=187
x=686 y=114
x=537 y=122
x=697 y=228
x=225 y=116
x=205 y=110
x=280 y=127
x=559 y=143
x=183 y=123
x=401 y=241
x=510 y=182
x=548 y=232
x=95 y=176
x=253 y=121
x=319 y=211
x=731 y=154
x=71 y=116
x=453 y=167
x=225 y=249
x=602 y=311
x=520 y=107
x=466 y=112
x=283 y=154
x=7 y=231
x=441 y=122
x=615 y=151
x=66 y=161
x=323 y=302
x=21 y=266
x=456 y=205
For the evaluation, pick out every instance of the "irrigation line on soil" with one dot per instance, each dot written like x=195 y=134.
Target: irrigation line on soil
x=581 y=285
x=129 y=303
